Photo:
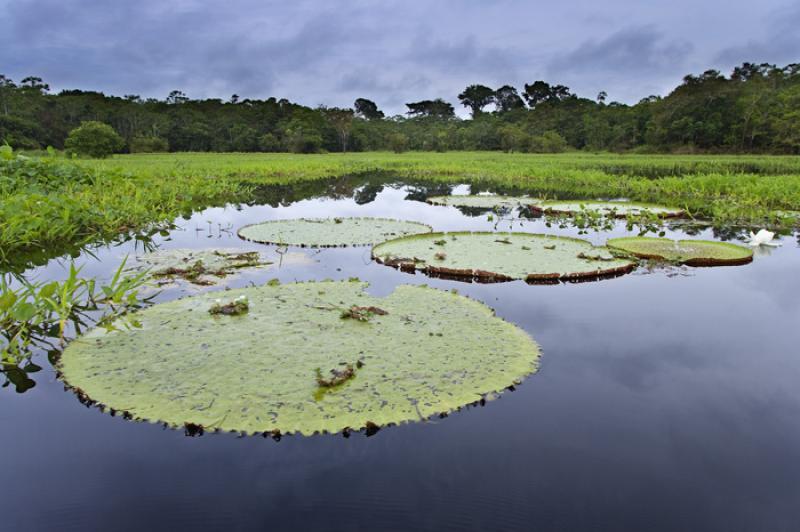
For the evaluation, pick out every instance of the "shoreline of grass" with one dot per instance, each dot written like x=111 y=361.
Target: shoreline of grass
x=52 y=204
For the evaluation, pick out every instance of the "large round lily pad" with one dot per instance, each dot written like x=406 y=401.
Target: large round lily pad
x=618 y=209
x=500 y=256
x=330 y=232
x=689 y=252
x=480 y=201
x=415 y=353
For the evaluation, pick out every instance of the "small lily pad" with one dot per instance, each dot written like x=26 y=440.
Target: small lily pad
x=617 y=209
x=293 y=364
x=330 y=232
x=501 y=256
x=480 y=201
x=689 y=252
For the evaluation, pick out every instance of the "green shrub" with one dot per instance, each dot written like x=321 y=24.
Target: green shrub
x=149 y=145
x=548 y=142
x=269 y=143
x=94 y=139
x=398 y=142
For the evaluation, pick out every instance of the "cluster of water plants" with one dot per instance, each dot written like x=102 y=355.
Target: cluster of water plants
x=339 y=359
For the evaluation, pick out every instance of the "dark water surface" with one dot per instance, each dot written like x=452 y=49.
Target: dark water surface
x=666 y=400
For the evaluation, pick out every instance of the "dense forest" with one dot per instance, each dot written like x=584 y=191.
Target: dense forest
x=754 y=109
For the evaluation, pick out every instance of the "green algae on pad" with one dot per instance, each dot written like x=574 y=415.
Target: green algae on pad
x=199 y=266
x=619 y=209
x=689 y=252
x=431 y=352
x=480 y=201
x=330 y=232
x=500 y=256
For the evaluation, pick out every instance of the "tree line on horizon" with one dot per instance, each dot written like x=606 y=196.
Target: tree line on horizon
x=756 y=109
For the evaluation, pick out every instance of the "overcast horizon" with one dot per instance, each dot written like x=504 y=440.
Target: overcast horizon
x=390 y=52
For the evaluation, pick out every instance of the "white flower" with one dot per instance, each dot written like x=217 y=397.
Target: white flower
x=218 y=301
x=763 y=238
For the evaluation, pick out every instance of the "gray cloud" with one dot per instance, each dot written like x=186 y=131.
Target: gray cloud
x=391 y=51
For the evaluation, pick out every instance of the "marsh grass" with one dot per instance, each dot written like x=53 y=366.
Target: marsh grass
x=49 y=205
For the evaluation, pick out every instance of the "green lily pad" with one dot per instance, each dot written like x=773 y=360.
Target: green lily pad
x=618 y=209
x=480 y=201
x=199 y=266
x=689 y=252
x=296 y=363
x=330 y=232
x=500 y=256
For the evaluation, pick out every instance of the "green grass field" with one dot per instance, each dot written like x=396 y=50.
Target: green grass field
x=48 y=203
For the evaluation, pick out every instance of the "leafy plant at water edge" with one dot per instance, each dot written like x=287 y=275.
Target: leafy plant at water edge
x=36 y=317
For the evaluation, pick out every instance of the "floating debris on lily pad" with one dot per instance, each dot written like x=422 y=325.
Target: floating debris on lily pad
x=481 y=201
x=689 y=252
x=617 y=209
x=426 y=353
x=330 y=232
x=199 y=266
x=493 y=257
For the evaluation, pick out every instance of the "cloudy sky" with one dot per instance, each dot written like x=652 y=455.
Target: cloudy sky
x=391 y=51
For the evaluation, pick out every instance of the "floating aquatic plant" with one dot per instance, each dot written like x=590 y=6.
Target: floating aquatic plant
x=200 y=266
x=500 y=256
x=617 y=209
x=330 y=232
x=431 y=352
x=763 y=238
x=689 y=252
x=481 y=201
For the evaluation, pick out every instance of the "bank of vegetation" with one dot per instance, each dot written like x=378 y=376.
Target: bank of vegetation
x=755 y=109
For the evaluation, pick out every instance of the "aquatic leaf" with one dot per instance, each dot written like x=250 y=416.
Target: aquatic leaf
x=619 y=209
x=330 y=232
x=200 y=266
x=481 y=201
x=689 y=252
x=501 y=256
x=429 y=352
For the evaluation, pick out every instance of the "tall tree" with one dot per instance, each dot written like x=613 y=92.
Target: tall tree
x=476 y=97
x=367 y=109
x=506 y=99
x=437 y=108
x=342 y=122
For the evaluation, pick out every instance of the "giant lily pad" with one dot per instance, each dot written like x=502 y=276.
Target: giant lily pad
x=199 y=266
x=500 y=256
x=689 y=252
x=618 y=209
x=480 y=201
x=305 y=357
x=330 y=232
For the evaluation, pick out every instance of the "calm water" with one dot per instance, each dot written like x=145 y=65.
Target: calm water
x=666 y=400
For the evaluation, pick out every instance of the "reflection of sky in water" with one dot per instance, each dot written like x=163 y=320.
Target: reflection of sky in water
x=663 y=403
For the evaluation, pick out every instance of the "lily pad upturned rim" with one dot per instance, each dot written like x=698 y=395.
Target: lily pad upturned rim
x=519 y=358
x=482 y=276
x=442 y=201
x=745 y=255
x=551 y=207
x=303 y=245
